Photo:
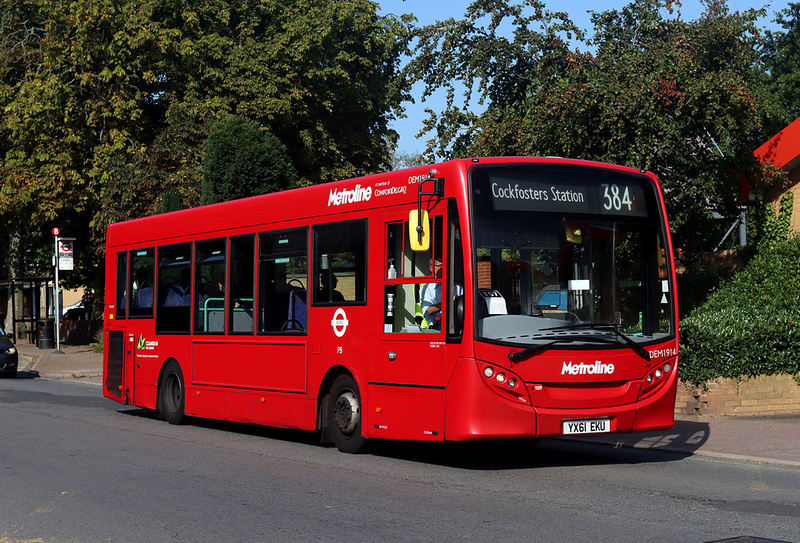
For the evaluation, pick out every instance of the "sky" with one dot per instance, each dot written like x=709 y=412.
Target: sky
x=429 y=11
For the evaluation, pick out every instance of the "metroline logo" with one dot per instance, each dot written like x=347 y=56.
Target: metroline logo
x=345 y=196
x=598 y=368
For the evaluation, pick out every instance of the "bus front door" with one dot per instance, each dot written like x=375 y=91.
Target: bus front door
x=407 y=361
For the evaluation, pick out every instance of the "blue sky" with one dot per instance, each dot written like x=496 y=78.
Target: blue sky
x=428 y=11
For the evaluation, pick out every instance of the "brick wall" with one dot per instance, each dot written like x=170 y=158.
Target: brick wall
x=761 y=395
x=484 y=274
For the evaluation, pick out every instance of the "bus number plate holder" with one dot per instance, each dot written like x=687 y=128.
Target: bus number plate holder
x=587 y=426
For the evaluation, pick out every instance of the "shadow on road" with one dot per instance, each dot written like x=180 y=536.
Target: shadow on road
x=27 y=374
x=649 y=447
x=520 y=454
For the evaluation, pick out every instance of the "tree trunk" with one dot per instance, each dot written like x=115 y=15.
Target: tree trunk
x=15 y=269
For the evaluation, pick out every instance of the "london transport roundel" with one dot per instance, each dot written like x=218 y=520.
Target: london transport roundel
x=339 y=322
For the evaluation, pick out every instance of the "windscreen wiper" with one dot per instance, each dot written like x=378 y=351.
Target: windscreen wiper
x=635 y=347
x=519 y=356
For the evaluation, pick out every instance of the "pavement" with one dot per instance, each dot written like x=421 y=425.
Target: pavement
x=768 y=440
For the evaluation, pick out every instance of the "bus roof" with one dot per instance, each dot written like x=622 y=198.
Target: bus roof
x=329 y=200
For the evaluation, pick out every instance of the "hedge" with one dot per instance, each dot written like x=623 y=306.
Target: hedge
x=751 y=324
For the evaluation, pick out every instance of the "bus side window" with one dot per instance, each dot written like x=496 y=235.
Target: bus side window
x=340 y=263
x=283 y=281
x=140 y=282
x=400 y=258
x=455 y=274
x=413 y=306
x=173 y=313
x=122 y=281
x=209 y=291
x=242 y=280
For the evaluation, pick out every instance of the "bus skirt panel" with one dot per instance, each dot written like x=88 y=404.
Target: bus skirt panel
x=474 y=410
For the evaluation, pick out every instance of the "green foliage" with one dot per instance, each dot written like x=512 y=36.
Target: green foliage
x=660 y=93
x=781 y=74
x=767 y=225
x=405 y=160
x=751 y=325
x=106 y=106
x=242 y=160
x=695 y=284
x=172 y=201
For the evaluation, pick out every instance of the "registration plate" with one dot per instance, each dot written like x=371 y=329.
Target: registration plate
x=588 y=426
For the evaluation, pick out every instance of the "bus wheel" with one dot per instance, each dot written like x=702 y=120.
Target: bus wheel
x=171 y=401
x=344 y=415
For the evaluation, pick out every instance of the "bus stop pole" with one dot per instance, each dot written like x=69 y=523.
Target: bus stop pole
x=56 y=295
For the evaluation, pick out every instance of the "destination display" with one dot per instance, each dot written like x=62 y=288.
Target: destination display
x=609 y=195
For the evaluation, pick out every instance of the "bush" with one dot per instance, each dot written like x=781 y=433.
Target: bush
x=242 y=160
x=697 y=282
x=751 y=325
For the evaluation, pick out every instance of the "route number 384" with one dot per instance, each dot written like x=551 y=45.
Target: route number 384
x=614 y=199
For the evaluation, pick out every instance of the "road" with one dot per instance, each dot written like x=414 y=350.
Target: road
x=75 y=467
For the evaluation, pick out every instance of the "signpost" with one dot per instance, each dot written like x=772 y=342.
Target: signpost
x=62 y=260
x=65 y=254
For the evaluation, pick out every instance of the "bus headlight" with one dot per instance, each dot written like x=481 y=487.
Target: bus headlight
x=505 y=383
x=655 y=379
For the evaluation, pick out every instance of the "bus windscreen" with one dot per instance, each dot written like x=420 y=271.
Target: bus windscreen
x=569 y=256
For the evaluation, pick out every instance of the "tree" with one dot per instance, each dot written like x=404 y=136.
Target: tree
x=105 y=106
x=781 y=74
x=475 y=56
x=71 y=75
x=655 y=92
x=242 y=160
x=319 y=75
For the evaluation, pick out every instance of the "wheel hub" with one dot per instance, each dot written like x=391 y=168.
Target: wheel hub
x=347 y=413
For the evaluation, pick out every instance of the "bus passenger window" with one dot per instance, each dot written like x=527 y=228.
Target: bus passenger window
x=209 y=292
x=413 y=306
x=173 y=313
x=400 y=257
x=122 y=281
x=340 y=263
x=240 y=317
x=283 y=281
x=140 y=282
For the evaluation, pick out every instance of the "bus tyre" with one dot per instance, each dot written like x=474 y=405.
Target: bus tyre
x=171 y=401
x=344 y=415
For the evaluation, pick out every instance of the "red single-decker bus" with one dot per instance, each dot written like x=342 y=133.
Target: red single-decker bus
x=474 y=299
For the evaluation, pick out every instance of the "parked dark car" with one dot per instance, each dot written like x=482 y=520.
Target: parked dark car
x=9 y=358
